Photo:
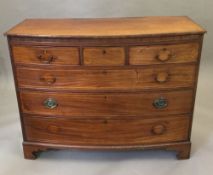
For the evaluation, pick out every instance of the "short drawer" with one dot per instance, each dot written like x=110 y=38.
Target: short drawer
x=103 y=56
x=46 y=55
x=155 y=77
x=106 y=132
x=175 y=53
x=107 y=104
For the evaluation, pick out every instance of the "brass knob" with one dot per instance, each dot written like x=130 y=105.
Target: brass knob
x=49 y=79
x=160 y=103
x=164 y=55
x=158 y=129
x=46 y=58
x=50 y=103
x=162 y=77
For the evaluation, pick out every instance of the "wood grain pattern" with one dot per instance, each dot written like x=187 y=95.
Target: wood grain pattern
x=105 y=131
x=107 y=104
x=109 y=84
x=108 y=79
x=61 y=55
x=179 y=53
x=111 y=27
x=104 y=42
x=33 y=149
x=103 y=56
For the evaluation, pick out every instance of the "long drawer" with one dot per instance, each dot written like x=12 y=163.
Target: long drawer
x=155 y=77
x=106 y=131
x=107 y=104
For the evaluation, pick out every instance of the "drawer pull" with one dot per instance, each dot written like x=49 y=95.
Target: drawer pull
x=49 y=79
x=50 y=103
x=164 y=55
x=46 y=58
x=158 y=129
x=162 y=77
x=160 y=103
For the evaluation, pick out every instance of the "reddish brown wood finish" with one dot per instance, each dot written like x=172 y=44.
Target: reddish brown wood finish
x=103 y=56
x=105 y=83
x=111 y=27
x=179 y=53
x=32 y=149
x=104 y=131
x=97 y=79
x=107 y=104
x=46 y=55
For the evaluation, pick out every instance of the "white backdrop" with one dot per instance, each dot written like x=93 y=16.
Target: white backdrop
x=67 y=162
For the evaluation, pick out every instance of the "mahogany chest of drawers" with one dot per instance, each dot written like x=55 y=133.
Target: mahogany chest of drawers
x=106 y=84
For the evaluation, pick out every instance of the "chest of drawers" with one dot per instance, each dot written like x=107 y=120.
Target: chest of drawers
x=106 y=84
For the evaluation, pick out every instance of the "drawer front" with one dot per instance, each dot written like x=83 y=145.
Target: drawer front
x=179 y=53
x=103 y=56
x=106 y=132
x=156 y=77
x=107 y=104
x=46 y=55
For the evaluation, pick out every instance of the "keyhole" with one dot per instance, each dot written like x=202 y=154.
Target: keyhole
x=104 y=72
x=105 y=121
x=104 y=51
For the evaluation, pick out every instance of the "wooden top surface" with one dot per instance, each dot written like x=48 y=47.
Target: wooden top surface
x=106 y=27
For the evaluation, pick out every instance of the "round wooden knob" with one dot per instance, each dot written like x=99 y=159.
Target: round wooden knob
x=162 y=77
x=164 y=55
x=159 y=129
x=46 y=57
x=48 y=79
